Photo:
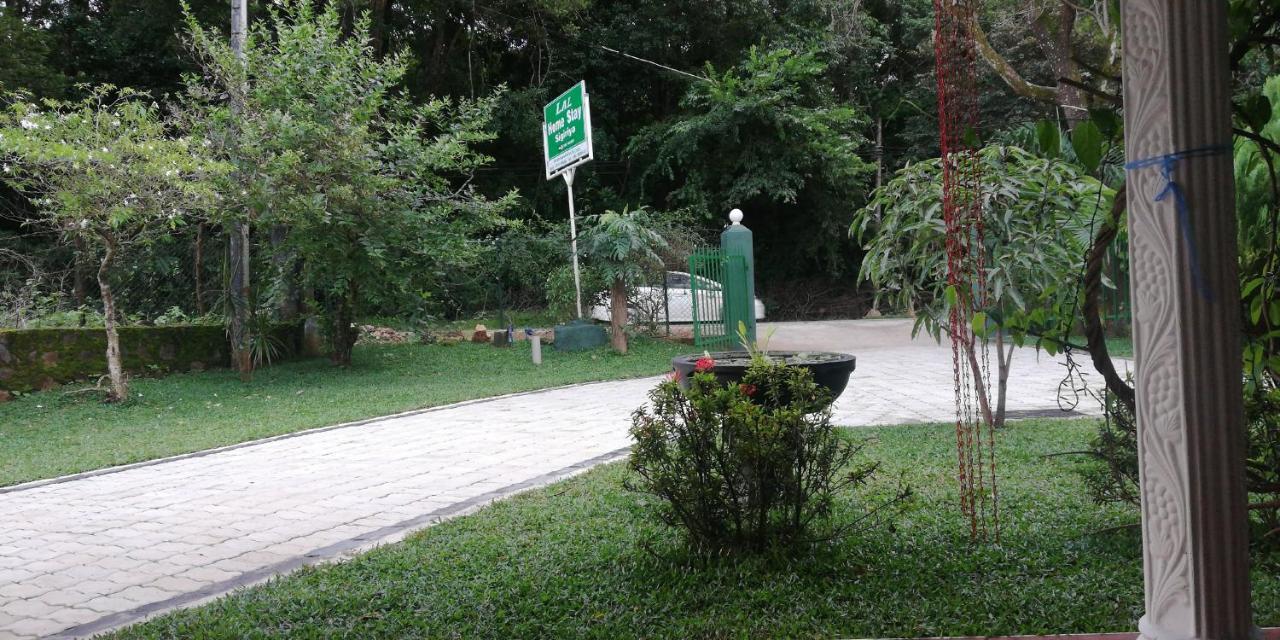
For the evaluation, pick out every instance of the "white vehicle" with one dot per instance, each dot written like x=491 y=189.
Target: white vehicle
x=647 y=304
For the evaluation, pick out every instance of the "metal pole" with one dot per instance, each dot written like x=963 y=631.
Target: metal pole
x=573 y=243
x=666 y=301
x=238 y=245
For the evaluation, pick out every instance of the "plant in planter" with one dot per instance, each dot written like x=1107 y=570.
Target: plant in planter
x=830 y=370
x=750 y=465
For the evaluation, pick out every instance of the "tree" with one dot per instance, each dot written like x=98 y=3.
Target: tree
x=1036 y=215
x=24 y=60
x=372 y=189
x=621 y=245
x=770 y=137
x=106 y=172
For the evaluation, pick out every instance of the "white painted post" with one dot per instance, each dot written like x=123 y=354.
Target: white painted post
x=573 y=242
x=535 y=342
x=1186 y=322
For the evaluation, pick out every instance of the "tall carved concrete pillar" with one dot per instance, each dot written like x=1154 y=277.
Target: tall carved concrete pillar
x=1186 y=320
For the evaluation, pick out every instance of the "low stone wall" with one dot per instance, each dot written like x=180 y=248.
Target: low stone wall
x=37 y=359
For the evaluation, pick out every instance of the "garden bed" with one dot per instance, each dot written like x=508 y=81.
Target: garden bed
x=583 y=558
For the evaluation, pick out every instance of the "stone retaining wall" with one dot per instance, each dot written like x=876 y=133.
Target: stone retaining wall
x=38 y=359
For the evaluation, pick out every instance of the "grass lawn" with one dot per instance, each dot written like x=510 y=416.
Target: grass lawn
x=582 y=559
x=48 y=434
x=1117 y=347
x=1120 y=347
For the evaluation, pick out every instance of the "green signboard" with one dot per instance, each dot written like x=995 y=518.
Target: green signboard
x=566 y=130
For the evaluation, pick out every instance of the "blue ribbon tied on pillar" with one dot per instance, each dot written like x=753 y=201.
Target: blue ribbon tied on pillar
x=1168 y=163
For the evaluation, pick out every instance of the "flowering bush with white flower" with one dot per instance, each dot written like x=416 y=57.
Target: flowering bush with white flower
x=106 y=171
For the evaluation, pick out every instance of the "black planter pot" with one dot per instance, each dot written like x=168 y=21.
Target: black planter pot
x=830 y=370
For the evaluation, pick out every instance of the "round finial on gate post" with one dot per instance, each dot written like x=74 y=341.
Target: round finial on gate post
x=735 y=216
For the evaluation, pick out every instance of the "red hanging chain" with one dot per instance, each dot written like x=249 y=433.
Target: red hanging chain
x=956 y=58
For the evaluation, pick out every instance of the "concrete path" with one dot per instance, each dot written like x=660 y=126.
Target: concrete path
x=901 y=380
x=87 y=553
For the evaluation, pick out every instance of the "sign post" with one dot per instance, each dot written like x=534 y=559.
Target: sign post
x=566 y=143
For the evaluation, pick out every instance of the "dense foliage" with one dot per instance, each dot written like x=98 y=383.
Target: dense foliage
x=1112 y=473
x=844 y=59
x=771 y=136
x=354 y=180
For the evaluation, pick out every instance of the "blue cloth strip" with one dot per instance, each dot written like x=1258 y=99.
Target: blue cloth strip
x=1167 y=163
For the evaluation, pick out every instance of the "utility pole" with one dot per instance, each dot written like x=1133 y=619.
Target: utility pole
x=879 y=157
x=238 y=242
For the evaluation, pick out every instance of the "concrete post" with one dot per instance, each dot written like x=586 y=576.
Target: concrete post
x=1186 y=321
x=737 y=240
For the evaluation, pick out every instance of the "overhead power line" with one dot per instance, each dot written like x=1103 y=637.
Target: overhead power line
x=656 y=64
x=566 y=36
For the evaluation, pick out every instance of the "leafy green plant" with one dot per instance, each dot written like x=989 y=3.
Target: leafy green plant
x=561 y=295
x=172 y=315
x=758 y=349
x=1036 y=216
x=621 y=246
x=746 y=467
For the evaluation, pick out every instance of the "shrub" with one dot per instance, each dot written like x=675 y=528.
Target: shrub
x=1262 y=467
x=560 y=291
x=748 y=466
x=1113 y=476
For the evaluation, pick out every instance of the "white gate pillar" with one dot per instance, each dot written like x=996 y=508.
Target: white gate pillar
x=1186 y=325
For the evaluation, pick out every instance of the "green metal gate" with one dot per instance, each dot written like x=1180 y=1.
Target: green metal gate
x=1117 y=316
x=718 y=289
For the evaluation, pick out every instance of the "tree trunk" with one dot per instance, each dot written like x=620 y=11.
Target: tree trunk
x=238 y=247
x=980 y=385
x=1095 y=338
x=238 y=294
x=344 y=333
x=378 y=27
x=81 y=284
x=1061 y=55
x=285 y=269
x=1004 y=358
x=618 y=314
x=199 y=272
x=115 y=366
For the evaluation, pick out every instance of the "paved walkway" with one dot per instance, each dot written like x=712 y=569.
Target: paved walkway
x=900 y=380
x=84 y=554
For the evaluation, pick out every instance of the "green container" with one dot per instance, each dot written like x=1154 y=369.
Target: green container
x=579 y=335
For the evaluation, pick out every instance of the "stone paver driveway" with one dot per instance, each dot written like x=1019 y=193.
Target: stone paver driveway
x=83 y=554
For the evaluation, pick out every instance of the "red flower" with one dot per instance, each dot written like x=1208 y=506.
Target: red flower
x=704 y=364
x=748 y=389
x=674 y=376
